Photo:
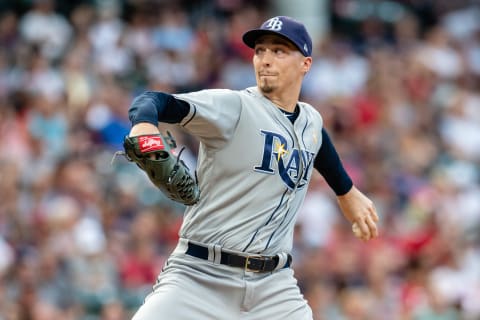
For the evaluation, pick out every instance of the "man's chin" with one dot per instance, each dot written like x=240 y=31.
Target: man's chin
x=266 y=88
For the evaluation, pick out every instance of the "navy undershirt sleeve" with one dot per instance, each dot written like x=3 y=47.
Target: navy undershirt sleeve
x=154 y=107
x=328 y=163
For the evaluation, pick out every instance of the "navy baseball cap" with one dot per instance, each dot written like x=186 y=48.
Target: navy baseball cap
x=286 y=27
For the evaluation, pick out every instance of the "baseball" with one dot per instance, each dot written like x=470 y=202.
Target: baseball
x=356 y=230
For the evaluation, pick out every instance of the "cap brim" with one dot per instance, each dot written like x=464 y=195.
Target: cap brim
x=250 y=37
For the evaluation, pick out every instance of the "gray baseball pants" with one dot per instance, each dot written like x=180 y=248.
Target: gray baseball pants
x=190 y=288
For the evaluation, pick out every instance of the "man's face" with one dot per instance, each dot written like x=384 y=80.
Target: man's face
x=278 y=64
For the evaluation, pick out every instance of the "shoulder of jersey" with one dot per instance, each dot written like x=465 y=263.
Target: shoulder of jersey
x=308 y=107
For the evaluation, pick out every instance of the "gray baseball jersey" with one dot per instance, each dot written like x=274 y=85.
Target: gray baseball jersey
x=253 y=167
x=253 y=170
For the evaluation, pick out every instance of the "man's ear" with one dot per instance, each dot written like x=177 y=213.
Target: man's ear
x=306 y=64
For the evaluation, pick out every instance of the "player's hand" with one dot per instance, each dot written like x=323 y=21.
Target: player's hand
x=359 y=210
x=143 y=128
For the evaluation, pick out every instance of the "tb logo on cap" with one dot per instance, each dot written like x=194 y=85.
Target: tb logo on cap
x=274 y=24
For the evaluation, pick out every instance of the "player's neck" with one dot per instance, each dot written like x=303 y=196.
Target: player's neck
x=284 y=97
x=285 y=103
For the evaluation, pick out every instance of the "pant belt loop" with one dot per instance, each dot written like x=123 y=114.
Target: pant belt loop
x=211 y=253
x=182 y=246
x=217 y=249
x=282 y=260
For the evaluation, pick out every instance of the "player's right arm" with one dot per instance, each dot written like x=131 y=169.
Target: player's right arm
x=211 y=115
x=152 y=107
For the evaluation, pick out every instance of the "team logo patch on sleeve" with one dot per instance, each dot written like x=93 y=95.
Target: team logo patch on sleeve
x=150 y=144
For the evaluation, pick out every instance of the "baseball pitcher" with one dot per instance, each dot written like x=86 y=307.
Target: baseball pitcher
x=258 y=149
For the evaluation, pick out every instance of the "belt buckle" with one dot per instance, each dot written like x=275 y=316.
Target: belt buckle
x=248 y=263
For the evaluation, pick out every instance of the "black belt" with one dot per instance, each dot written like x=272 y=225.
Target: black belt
x=254 y=263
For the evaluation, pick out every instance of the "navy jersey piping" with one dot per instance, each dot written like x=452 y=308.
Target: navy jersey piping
x=274 y=231
x=267 y=222
x=192 y=116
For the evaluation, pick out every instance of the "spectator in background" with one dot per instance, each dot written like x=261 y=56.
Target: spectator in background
x=339 y=73
x=42 y=26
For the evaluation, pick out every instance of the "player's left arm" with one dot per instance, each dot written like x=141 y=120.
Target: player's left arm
x=356 y=207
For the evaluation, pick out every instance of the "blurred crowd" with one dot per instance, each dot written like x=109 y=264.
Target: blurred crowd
x=83 y=234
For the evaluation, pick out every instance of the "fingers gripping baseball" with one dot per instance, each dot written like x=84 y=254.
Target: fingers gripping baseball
x=360 y=211
x=366 y=228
